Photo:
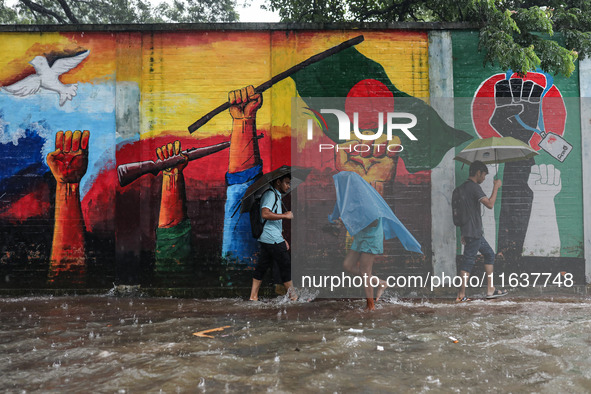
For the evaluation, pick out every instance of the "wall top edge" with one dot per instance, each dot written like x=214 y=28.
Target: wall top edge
x=241 y=26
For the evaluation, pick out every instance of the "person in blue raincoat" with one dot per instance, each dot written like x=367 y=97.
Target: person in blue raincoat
x=369 y=219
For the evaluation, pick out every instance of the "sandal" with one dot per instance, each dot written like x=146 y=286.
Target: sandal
x=465 y=299
x=497 y=293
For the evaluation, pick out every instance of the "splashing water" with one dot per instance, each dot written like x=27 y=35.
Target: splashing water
x=116 y=345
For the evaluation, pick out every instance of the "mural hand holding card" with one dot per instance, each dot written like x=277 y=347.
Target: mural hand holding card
x=514 y=98
x=68 y=164
x=529 y=108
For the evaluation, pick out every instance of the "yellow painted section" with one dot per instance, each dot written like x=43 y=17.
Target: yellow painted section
x=184 y=75
x=183 y=79
x=18 y=49
x=129 y=57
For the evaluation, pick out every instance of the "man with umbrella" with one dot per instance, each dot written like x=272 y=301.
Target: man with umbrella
x=472 y=230
x=274 y=248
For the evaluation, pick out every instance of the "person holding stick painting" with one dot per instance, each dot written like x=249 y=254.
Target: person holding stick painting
x=245 y=166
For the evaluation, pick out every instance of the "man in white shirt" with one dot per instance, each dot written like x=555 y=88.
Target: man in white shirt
x=274 y=248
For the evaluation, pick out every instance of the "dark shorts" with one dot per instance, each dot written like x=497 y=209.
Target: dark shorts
x=274 y=253
x=471 y=248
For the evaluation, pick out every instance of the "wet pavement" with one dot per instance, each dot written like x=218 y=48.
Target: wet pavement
x=103 y=343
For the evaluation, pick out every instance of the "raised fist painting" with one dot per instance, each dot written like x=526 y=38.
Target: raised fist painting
x=68 y=164
x=530 y=109
x=517 y=108
x=69 y=161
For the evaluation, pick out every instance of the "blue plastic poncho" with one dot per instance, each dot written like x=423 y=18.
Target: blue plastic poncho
x=359 y=204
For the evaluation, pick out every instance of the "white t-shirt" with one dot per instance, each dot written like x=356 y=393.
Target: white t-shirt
x=273 y=230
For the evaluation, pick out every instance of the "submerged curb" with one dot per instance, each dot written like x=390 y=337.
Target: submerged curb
x=582 y=291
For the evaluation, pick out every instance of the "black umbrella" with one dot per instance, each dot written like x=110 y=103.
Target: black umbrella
x=298 y=175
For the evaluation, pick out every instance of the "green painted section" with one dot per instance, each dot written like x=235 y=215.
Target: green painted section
x=469 y=73
x=337 y=75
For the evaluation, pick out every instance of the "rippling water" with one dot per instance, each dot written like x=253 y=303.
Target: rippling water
x=110 y=344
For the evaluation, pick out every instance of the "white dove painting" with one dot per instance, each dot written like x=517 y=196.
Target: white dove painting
x=47 y=77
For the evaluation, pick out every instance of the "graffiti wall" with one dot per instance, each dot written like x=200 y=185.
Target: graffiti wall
x=537 y=222
x=102 y=182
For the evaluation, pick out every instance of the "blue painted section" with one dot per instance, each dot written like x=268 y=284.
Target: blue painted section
x=28 y=126
x=21 y=153
x=239 y=246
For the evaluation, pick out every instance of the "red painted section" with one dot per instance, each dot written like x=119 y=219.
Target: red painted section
x=553 y=107
x=35 y=204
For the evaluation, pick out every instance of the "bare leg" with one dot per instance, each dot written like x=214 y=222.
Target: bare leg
x=381 y=288
x=489 y=268
x=462 y=292
x=354 y=264
x=254 y=292
x=351 y=263
x=366 y=265
x=382 y=283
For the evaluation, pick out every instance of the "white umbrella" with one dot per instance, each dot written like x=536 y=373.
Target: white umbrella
x=495 y=150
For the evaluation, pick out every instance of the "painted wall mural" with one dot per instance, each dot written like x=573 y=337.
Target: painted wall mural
x=538 y=216
x=57 y=135
x=398 y=167
x=79 y=110
x=524 y=107
x=47 y=77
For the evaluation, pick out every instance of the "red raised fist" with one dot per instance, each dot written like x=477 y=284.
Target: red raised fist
x=69 y=161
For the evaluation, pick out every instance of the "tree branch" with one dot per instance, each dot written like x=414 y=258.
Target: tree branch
x=42 y=10
x=68 y=11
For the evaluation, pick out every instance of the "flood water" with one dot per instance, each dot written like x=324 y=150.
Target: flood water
x=110 y=344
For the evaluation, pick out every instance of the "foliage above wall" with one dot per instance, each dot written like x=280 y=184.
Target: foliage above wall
x=116 y=11
x=514 y=34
